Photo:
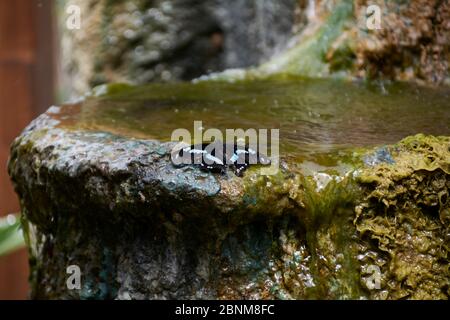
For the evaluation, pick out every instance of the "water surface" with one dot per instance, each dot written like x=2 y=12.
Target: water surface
x=315 y=117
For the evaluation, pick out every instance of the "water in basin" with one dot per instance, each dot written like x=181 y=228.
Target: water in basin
x=315 y=117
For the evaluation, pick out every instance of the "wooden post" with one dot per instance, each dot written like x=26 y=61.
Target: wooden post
x=26 y=89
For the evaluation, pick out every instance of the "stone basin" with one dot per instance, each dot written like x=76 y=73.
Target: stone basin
x=359 y=209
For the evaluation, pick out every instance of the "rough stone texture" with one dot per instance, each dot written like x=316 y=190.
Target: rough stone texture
x=405 y=211
x=142 y=41
x=141 y=229
x=130 y=217
x=413 y=42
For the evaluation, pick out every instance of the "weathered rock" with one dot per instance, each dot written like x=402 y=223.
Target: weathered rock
x=410 y=42
x=139 y=41
x=98 y=190
x=413 y=42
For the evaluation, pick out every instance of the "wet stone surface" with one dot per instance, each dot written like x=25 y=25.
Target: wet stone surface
x=98 y=189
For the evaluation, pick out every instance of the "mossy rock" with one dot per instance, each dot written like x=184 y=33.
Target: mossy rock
x=99 y=191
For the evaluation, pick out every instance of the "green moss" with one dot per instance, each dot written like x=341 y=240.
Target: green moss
x=404 y=215
x=324 y=211
x=111 y=89
x=309 y=57
x=393 y=215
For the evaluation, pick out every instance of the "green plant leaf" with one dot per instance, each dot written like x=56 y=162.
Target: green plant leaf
x=11 y=237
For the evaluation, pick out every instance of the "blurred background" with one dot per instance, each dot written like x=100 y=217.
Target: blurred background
x=26 y=89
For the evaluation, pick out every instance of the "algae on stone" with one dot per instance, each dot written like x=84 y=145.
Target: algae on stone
x=98 y=189
x=404 y=216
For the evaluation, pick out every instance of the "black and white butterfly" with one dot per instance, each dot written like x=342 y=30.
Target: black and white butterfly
x=217 y=157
